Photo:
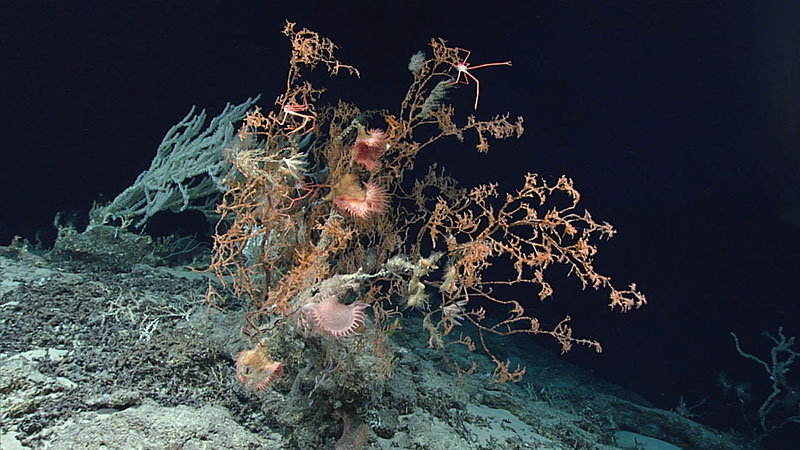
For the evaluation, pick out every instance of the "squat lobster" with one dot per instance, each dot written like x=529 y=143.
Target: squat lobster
x=294 y=111
x=462 y=66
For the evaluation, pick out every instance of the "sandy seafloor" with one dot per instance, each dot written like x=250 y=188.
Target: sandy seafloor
x=103 y=348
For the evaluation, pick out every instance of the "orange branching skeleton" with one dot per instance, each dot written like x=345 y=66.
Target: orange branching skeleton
x=321 y=220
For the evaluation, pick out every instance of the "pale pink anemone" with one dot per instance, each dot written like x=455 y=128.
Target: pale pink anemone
x=336 y=319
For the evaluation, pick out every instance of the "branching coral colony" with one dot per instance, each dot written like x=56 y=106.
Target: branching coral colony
x=316 y=228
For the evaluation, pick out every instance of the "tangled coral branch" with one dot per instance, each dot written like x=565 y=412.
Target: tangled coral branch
x=298 y=251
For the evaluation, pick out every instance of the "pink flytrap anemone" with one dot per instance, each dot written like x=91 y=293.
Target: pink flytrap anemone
x=256 y=370
x=336 y=319
x=368 y=148
x=349 y=197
